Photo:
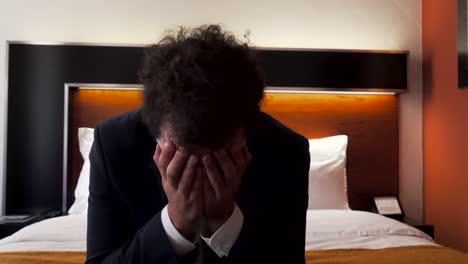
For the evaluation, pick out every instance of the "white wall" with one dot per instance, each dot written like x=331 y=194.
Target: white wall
x=347 y=24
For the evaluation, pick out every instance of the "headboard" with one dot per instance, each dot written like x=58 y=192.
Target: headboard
x=370 y=121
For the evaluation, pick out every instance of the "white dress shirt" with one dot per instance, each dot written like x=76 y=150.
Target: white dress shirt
x=220 y=242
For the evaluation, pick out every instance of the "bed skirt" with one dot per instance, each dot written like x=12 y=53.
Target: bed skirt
x=401 y=255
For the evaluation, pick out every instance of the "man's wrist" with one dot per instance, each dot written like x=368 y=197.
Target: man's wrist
x=180 y=244
x=186 y=228
x=212 y=224
x=224 y=238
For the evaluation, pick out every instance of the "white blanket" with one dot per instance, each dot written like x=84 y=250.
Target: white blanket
x=326 y=229
x=344 y=229
x=66 y=233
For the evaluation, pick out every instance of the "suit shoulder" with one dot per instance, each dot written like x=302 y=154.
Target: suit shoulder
x=123 y=131
x=279 y=133
x=121 y=121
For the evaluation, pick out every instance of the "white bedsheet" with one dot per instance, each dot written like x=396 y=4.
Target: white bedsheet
x=66 y=233
x=344 y=229
x=326 y=229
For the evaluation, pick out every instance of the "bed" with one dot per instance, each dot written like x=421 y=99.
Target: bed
x=348 y=235
x=333 y=236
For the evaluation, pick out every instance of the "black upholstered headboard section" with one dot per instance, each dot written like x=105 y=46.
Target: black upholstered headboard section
x=39 y=74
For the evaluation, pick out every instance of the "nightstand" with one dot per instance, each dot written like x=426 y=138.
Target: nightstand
x=9 y=227
x=428 y=229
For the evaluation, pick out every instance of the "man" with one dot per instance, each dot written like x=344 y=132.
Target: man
x=199 y=173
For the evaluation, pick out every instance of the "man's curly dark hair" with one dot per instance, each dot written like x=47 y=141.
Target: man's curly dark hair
x=204 y=83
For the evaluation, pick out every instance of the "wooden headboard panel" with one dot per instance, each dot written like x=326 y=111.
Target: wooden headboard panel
x=370 y=121
x=87 y=108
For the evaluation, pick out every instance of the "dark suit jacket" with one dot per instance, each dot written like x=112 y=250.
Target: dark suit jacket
x=126 y=197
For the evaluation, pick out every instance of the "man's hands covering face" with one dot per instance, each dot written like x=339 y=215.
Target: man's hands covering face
x=183 y=185
x=224 y=169
x=200 y=187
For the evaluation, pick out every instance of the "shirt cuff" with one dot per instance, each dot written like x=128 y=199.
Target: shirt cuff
x=225 y=237
x=180 y=244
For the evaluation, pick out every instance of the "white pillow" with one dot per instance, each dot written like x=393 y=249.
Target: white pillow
x=327 y=174
x=85 y=140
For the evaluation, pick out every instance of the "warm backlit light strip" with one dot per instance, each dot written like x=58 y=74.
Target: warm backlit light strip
x=267 y=90
x=330 y=92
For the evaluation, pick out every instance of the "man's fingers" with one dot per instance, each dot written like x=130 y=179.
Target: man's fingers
x=227 y=166
x=168 y=150
x=208 y=191
x=213 y=174
x=156 y=158
x=176 y=167
x=238 y=157
x=188 y=175
x=197 y=186
x=246 y=154
x=157 y=155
